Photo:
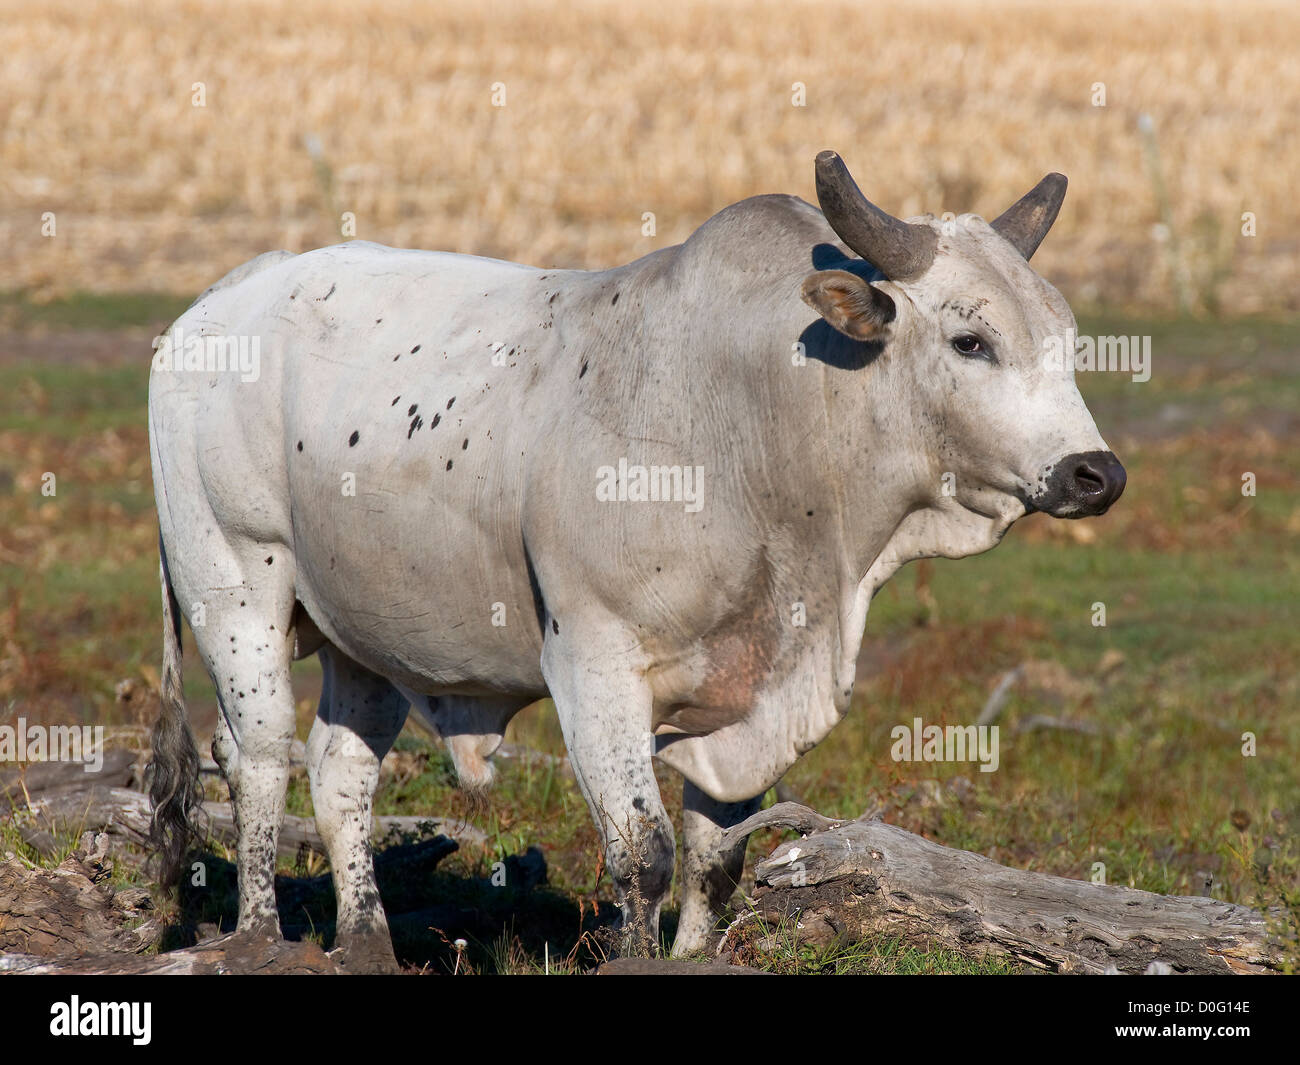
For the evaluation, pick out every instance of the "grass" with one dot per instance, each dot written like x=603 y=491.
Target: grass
x=779 y=950
x=386 y=110
x=1199 y=584
x=22 y=309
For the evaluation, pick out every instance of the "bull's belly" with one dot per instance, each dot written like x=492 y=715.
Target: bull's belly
x=415 y=571
x=435 y=635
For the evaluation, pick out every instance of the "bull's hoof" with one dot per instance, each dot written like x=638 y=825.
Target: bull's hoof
x=262 y=939
x=371 y=953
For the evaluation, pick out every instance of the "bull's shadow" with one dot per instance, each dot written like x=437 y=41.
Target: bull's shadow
x=508 y=914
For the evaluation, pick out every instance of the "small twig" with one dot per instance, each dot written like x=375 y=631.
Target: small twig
x=998 y=699
x=784 y=815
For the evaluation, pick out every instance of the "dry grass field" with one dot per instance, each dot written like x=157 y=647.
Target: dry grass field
x=386 y=110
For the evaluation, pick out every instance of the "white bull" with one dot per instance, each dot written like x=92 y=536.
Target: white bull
x=663 y=494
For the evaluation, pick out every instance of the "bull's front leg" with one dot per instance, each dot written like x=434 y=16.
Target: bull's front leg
x=605 y=710
x=710 y=873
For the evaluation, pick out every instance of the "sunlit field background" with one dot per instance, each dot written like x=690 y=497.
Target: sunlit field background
x=1121 y=743
x=386 y=110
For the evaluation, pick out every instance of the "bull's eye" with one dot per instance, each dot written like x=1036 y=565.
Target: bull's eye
x=970 y=345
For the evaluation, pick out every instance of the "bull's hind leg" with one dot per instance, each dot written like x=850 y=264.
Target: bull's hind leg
x=605 y=713
x=242 y=636
x=709 y=873
x=360 y=716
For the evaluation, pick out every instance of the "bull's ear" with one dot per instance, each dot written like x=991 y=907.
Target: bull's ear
x=851 y=305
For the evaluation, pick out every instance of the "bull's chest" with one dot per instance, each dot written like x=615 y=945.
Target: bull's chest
x=717 y=678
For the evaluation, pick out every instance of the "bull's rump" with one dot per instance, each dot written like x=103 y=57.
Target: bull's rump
x=381 y=444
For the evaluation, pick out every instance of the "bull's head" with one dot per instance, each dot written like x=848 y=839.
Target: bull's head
x=968 y=322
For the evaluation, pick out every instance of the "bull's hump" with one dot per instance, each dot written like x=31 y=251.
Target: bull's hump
x=752 y=225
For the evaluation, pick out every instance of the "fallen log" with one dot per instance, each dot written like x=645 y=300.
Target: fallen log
x=299 y=833
x=229 y=955
x=125 y=814
x=850 y=880
x=73 y=910
x=17 y=785
x=513 y=752
x=121 y=813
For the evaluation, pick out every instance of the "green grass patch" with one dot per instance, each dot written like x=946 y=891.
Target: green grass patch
x=92 y=310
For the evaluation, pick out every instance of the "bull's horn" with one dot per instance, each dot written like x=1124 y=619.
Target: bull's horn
x=1026 y=222
x=899 y=250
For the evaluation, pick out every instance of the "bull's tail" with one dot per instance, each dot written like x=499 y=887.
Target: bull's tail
x=173 y=772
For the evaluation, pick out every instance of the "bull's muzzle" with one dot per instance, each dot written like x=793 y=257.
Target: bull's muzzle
x=1082 y=486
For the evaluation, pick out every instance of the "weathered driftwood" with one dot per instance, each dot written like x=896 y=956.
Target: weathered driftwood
x=513 y=752
x=72 y=910
x=298 y=833
x=16 y=785
x=124 y=813
x=780 y=815
x=849 y=880
x=231 y=954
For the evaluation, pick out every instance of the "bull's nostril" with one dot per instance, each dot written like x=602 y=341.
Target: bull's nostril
x=1090 y=482
x=1082 y=485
